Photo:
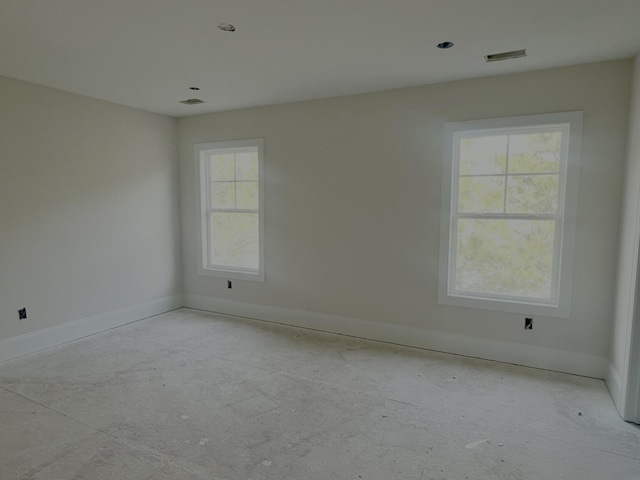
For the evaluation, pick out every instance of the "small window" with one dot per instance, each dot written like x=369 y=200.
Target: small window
x=509 y=202
x=231 y=209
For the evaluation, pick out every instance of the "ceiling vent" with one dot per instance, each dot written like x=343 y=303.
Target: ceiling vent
x=496 y=57
x=192 y=101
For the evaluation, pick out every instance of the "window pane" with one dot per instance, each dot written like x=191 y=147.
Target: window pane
x=483 y=155
x=481 y=194
x=505 y=257
x=234 y=240
x=532 y=194
x=221 y=167
x=223 y=195
x=247 y=195
x=535 y=152
x=247 y=166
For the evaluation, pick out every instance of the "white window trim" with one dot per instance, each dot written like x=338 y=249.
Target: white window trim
x=201 y=177
x=560 y=308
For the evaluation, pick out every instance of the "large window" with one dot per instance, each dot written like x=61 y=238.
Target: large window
x=509 y=201
x=231 y=206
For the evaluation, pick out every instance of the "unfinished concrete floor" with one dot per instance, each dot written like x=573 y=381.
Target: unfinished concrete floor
x=191 y=395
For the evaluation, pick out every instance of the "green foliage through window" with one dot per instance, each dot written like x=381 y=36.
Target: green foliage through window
x=507 y=212
x=231 y=214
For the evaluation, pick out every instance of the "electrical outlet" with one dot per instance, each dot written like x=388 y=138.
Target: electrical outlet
x=22 y=314
x=229 y=284
x=528 y=323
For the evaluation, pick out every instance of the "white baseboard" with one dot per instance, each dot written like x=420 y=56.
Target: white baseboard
x=527 y=355
x=627 y=403
x=614 y=384
x=519 y=354
x=50 y=337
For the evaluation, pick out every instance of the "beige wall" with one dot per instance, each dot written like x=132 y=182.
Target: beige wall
x=89 y=210
x=623 y=387
x=353 y=202
x=88 y=207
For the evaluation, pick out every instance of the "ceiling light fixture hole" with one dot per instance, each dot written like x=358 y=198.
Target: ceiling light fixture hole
x=445 y=45
x=194 y=88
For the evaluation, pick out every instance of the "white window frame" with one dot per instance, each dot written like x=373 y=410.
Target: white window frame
x=205 y=267
x=559 y=306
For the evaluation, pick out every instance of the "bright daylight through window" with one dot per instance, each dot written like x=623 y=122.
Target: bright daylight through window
x=231 y=206
x=509 y=188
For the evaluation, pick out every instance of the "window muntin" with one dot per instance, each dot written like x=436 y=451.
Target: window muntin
x=506 y=232
x=231 y=209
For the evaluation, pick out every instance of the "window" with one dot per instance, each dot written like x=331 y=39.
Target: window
x=509 y=202
x=231 y=209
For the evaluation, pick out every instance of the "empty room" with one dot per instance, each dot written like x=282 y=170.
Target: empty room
x=297 y=239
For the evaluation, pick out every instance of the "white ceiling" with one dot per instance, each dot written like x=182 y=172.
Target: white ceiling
x=146 y=53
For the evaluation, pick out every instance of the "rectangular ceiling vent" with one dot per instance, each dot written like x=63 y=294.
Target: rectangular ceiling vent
x=192 y=101
x=496 y=57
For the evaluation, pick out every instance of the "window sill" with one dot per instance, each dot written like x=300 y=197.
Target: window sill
x=231 y=274
x=521 y=308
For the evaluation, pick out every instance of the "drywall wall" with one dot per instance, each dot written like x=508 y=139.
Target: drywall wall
x=88 y=214
x=353 y=211
x=622 y=378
